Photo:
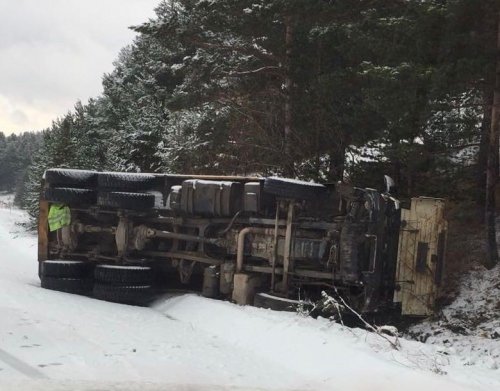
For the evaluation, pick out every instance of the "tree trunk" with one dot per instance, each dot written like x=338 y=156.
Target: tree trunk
x=317 y=116
x=482 y=160
x=288 y=158
x=492 y=167
x=396 y=172
x=337 y=164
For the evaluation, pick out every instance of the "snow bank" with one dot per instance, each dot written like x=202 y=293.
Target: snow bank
x=469 y=328
x=330 y=355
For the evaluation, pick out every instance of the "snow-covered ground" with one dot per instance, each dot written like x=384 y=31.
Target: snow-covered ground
x=470 y=326
x=56 y=341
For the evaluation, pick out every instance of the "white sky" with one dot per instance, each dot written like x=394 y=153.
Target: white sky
x=54 y=52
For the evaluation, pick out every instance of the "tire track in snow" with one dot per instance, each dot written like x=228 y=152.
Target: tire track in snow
x=21 y=366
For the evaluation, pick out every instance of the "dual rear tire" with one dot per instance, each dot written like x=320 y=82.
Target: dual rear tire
x=66 y=276
x=116 y=283
x=106 y=189
x=124 y=284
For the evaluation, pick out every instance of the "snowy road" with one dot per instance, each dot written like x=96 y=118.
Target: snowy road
x=57 y=341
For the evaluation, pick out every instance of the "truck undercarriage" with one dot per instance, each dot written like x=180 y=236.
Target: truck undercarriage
x=122 y=237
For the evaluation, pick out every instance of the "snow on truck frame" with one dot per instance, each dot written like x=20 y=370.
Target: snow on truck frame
x=264 y=241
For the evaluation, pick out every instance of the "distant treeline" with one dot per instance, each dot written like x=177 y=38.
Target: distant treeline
x=315 y=89
x=16 y=152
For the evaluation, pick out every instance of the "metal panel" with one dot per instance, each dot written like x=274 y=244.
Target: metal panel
x=422 y=252
x=420 y=255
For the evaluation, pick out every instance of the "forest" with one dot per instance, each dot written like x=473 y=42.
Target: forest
x=323 y=90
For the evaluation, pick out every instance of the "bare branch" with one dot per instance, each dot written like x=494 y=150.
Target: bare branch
x=394 y=344
x=258 y=70
x=245 y=50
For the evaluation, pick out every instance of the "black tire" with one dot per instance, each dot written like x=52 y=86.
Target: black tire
x=65 y=268
x=121 y=200
x=291 y=188
x=265 y=300
x=140 y=295
x=70 y=196
x=80 y=286
x=65 y=177
x=125 y=181
x=123 y=275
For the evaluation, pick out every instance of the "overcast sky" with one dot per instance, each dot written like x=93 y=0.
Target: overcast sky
x=54 y=52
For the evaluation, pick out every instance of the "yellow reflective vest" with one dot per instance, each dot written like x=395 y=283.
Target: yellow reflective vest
x=59 y=216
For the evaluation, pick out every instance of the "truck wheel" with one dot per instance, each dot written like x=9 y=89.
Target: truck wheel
x=123 y=275
x=68 y=195
x=133 y=201
x=80 y=286
x=140 y=295
x=125 y=181
x=63 y=268
x=291 y=188
x=65 y=177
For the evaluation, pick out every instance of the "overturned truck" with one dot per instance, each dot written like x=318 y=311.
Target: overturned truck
x=269 y=242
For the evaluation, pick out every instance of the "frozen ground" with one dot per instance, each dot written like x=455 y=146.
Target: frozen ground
x=57 y=341
x=470 y=326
